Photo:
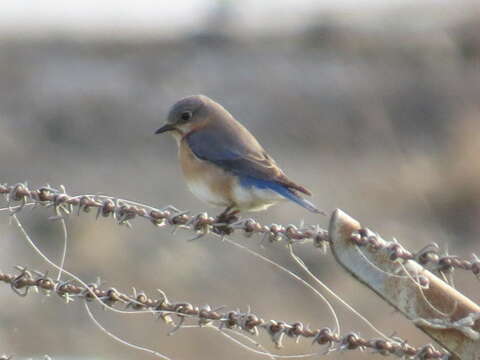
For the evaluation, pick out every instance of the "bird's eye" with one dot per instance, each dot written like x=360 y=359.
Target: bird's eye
x=186 y=116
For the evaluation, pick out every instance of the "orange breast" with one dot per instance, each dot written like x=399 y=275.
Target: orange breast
x=207 y=181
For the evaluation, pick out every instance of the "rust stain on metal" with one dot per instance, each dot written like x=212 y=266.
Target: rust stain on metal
x=418 y=294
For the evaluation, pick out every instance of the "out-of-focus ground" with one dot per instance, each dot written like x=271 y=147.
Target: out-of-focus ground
x=382 y=122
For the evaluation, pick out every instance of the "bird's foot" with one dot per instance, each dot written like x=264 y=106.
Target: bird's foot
x=228 y=218
x=224 y=220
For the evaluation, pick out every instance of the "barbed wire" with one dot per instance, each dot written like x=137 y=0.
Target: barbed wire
x=205 y=315
x=124 y=211
x=202 y=224
x=428 y=257
x=20 y=196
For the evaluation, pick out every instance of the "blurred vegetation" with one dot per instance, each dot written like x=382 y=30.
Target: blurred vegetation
x=384 y=123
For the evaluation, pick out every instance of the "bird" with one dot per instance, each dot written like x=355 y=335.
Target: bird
x=223 y=163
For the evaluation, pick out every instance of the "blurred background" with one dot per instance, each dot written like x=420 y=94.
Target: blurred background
x=372 y=105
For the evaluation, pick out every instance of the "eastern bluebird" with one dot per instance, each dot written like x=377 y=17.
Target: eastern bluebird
x=223 y=163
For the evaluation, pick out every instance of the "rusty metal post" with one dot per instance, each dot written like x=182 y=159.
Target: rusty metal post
x=436 y=308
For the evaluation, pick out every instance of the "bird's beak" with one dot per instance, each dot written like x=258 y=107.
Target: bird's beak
x=165 y=128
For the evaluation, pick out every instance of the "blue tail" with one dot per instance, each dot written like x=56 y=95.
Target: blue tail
x=280 y=189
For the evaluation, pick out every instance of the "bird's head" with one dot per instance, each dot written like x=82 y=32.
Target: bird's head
x=187 y=115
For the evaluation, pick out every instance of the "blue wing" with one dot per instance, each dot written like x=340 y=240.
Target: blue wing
x=238 y=152
x=282 y=190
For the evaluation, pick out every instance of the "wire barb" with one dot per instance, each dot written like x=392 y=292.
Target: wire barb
x=429 y=256
x=123 y=211
x=207 y=315
x=19 y=196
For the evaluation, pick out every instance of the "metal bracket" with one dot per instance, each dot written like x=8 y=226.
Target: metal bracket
x=436 y=308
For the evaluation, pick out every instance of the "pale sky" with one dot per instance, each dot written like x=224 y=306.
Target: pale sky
x=167 y=17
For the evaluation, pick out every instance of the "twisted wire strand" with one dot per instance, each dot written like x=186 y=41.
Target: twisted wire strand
x=20 y=195
x=25 y=280
x=429 y=256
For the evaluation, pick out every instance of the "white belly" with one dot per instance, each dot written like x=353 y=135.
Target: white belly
x=217 y=187
x=254 y=199
x=202 y=191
